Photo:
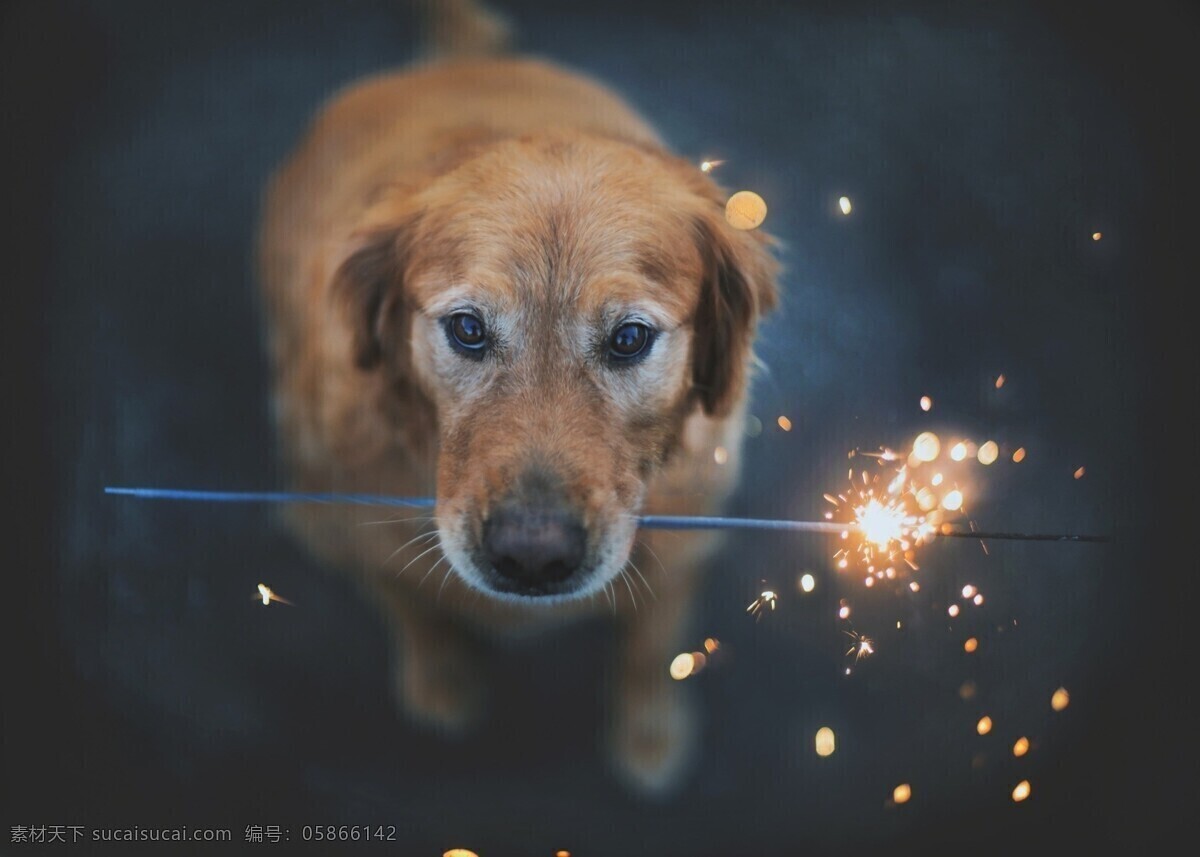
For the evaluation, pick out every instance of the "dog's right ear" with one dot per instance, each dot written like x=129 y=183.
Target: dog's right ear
x=367 y=287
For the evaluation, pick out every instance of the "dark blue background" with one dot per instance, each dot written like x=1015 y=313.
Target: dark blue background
x=981 y=148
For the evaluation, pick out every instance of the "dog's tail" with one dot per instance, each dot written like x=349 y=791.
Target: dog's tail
x=463 y=28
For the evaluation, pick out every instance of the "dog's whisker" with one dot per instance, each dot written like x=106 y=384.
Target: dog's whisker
x=445 y=580
x=632 y=597
x=649 y=588
x=417 y=538
x=425 y=518
x=646 y=545
x=431 y=569
x=437 y=544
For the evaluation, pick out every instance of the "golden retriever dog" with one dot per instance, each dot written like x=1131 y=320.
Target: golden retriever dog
x=488 y=280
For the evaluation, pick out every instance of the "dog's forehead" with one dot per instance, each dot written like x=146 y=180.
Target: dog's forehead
x=585 y=233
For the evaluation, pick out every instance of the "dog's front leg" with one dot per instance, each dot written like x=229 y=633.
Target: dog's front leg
x=655 y=722
x=435 y=666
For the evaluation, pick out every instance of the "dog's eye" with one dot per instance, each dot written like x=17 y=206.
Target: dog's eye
x=466 y=332
x=629 y=341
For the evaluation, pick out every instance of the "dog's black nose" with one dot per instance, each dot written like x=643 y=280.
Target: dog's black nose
x=533 y=549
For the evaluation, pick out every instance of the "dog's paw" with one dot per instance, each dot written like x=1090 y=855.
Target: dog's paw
x=443 y=690
x=654 y=741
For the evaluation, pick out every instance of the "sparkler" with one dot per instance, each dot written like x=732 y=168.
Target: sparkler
x=649 y=522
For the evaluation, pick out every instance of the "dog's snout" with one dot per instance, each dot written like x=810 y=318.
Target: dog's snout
x=534 y=549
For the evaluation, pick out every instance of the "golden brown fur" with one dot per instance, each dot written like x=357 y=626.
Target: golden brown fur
x=539 y=195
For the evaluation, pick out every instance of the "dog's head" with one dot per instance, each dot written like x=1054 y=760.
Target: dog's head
x=562 y=305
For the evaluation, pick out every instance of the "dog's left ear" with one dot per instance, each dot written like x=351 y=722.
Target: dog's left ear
x=738 y=287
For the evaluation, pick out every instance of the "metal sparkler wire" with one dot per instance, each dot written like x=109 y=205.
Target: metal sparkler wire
x=648 y=522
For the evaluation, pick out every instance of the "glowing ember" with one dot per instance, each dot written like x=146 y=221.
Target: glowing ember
x=711 y=645
x=682 y=666
x=953 y=501
x=902 y=793
x=989 y=452
x=268 y=595
x=808 y=583
x=844 y=611
x=952 y=609
x=709 y=166
x=826 y=742
x=1060 y=700
x=970 y=645
x=784 y=423
x=927 y=446
x=926 y=403
x=860 y=647
x=1096 y=236
x=1019 y=455
x=460 y=852
x=984 y=726
x=720 y=455
x=745 y=210
x=959 y=451
x=969 y=591
x=844 y=204
x=978 y=600
x=966 y=690
x=999 y=381
x=1021 y=747
x=1079 y=473
x=1021 y=791
x=766 y=598
x=914 y=586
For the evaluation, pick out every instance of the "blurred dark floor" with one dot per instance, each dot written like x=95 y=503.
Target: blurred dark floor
x=981 y=148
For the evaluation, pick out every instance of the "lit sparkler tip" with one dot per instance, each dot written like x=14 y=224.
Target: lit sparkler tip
x=709 y=166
